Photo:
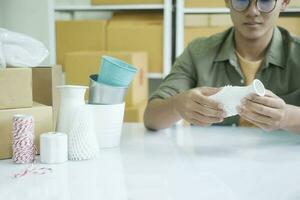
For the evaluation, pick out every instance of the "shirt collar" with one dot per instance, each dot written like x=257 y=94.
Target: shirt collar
x=227 y=48
x=275 y=53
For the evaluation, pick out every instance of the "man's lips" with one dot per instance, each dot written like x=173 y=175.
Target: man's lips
x=252 y=23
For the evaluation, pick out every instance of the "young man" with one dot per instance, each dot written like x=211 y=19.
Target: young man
x=253 y=48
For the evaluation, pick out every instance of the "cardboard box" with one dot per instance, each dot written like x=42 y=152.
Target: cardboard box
x=44 y=82
x=204 y=4
x=138 y=32
x=220 y=20
x=15 y=88
x=135 y=113
x=79 y=35
x=191 y=20
x=43 y=123
x=80 y=65
x=204 y=20
x=199 y=25
x=97 y=2
x=292 y=24
x=191 y=33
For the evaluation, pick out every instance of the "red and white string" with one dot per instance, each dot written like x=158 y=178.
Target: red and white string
x=23 y=146
x=33 y=170
x=23 y=139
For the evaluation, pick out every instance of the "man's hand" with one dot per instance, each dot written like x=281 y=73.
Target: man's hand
x=195 y=107
x=267 y=112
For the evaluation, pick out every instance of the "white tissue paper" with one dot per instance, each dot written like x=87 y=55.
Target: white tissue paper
x=53 y=148
x=19 y=50
x=231 y=96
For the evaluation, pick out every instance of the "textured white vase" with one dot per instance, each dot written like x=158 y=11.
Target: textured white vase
x=82 y=141
x=71 y=97
x=231 y=96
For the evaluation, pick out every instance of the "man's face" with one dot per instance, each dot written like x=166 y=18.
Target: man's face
x=253 y=24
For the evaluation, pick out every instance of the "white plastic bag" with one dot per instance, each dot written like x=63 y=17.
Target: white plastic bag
x=19 y=50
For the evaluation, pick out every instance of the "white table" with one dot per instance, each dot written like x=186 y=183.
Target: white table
x=181 y=163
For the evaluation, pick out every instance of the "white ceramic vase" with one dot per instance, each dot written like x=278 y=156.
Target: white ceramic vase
x=108 y=122
x=71 y=98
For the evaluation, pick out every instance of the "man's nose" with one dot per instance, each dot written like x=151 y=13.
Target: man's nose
x=252 y=9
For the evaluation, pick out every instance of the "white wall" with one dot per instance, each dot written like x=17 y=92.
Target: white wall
x=31 y=17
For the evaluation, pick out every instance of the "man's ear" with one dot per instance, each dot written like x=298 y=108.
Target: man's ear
x=227 y=3
x=284 y=4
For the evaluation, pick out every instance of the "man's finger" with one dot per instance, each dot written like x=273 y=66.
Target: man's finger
x=245 y=113
x=208 y=91
x=206 y=119
x=267 y=101
x=261 y=109
x=207 y=111
x=205 y=101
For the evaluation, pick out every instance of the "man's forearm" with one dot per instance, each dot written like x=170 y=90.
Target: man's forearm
x=292 y=121
x=160 y=114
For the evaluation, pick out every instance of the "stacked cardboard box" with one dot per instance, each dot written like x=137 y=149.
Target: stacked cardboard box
x=80 y=65
x=79 y=35
x=15 y=88
x=204 y=4
x=123 y=32
x=44 y=82
x=203 y=25
x=17 y=98
x=42 y=119
x=138 y=32
x=99 y=2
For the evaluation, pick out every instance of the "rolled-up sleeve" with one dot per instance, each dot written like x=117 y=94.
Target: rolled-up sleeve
x=181 y=78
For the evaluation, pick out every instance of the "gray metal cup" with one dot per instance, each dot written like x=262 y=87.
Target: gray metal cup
x=101 y=93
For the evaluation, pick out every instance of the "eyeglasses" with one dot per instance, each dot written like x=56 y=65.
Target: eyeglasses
x=264 y=6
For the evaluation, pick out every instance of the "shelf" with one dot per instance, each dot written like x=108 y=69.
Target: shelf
x=155 y=75
x=225 y=10
x=71 y=8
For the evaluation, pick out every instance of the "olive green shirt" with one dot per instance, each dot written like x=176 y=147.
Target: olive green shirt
x=212 y=62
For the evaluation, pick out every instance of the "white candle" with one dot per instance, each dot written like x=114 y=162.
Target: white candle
x=53 y=148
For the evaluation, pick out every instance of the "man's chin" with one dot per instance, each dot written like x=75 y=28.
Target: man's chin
x=253 y=35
